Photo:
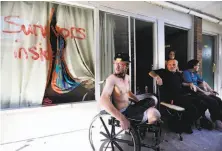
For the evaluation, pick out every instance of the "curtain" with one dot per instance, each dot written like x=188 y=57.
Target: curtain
x=107 y=44
x=25 y=53
x=76 y=27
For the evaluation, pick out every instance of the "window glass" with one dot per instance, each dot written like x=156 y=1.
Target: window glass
x=46 y=54
x=113 y=38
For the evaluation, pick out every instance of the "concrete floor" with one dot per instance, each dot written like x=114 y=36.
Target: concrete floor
x=78 y=141
x=203 y=140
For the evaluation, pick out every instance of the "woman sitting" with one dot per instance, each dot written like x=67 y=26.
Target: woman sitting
x=207 y=94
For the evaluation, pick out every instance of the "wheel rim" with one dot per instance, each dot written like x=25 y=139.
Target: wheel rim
x=103 y=137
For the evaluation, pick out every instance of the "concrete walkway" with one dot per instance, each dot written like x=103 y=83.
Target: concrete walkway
x=75 y=140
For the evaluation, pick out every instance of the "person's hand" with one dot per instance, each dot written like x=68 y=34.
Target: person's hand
x=193 y=87
x=214 y=93
x=124 y=123
x=207 y=93
x=159 y=80
x=179 y=71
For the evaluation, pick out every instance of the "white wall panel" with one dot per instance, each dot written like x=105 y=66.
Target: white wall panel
x=145 y=9
x=28 y=123
x=210 y=27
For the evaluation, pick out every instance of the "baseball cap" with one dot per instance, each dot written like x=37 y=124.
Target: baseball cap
x=121 y=56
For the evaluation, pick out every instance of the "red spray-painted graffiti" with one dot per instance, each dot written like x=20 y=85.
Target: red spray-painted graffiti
x=32 y=29
x=42 y=55
x=73 y=32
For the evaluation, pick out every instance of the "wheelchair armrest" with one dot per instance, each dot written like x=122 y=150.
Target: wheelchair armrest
x=173 y=107
x=102 y=112
x=143 y=96
x=147 y=95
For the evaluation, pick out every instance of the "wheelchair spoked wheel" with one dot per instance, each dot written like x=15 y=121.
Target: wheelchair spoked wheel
x=105 y=134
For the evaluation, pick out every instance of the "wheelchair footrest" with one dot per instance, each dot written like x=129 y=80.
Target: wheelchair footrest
x=150 y=128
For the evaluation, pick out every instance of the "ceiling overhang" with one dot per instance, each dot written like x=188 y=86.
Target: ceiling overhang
x=193 y=8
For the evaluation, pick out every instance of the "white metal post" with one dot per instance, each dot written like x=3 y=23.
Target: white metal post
x=190 y=47
x=97 y=53
x=160 y=44
x=134 y=42
x=218 y=62
x=220 y=66
x=155 y=52
x=159 y=47
x=129 y=40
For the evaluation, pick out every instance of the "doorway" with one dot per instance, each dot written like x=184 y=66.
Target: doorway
x=177 y=40
x=144 y=55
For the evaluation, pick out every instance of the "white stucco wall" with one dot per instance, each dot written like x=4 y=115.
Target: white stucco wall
x=28 y=123
x=145 y=9
x=210 y=27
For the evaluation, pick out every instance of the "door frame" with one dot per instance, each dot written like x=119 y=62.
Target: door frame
x=219 y=86
x=159 y=56
x=189 y=39
x=155 y=54
x=215 y=57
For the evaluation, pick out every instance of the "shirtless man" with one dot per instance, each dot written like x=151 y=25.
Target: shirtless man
x=118 y=86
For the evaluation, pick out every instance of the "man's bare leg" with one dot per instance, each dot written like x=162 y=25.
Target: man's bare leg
x=153 y=115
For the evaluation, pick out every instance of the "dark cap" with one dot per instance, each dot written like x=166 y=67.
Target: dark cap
x=122 y=56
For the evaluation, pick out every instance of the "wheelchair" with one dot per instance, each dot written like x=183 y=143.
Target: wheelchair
x=105 y=134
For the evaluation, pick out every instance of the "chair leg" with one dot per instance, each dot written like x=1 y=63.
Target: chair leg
x=157 y=139
x=180 y=132
x=197 y=124
x=180 y=137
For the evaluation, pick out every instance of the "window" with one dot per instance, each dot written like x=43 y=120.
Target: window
x=113 y=38
x=47 y=54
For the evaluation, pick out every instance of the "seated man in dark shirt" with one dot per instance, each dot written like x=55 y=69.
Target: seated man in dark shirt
x=174 y=89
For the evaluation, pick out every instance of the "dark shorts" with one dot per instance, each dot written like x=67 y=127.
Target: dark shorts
x=137 y=111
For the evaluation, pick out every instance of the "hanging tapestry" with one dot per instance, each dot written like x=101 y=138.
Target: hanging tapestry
x=62 y=82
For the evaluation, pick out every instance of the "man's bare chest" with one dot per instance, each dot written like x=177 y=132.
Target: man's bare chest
x=121 y=87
